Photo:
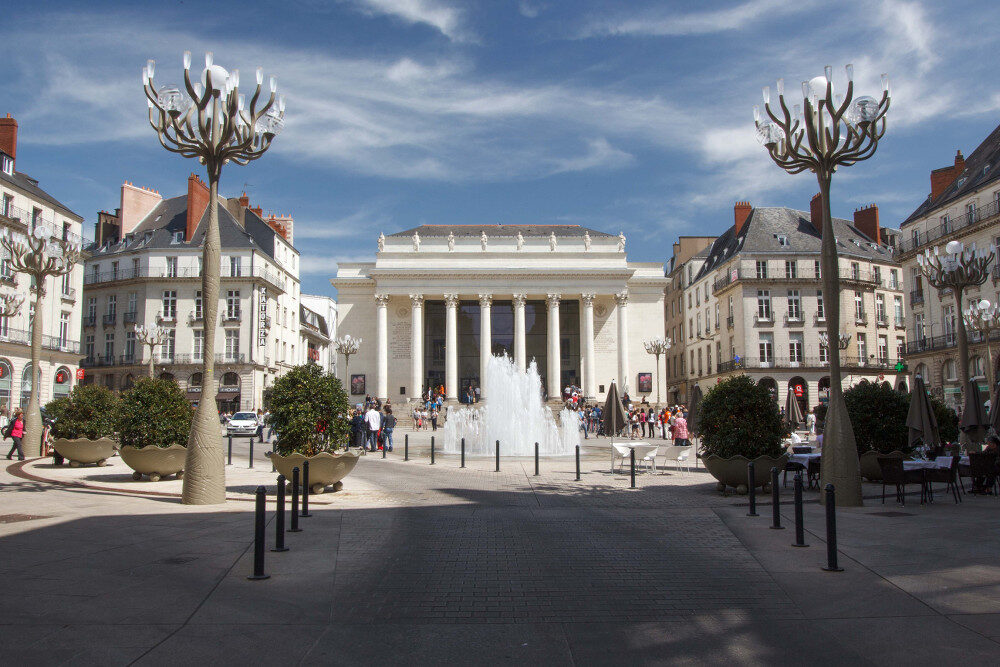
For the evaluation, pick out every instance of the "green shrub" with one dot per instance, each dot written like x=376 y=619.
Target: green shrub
x=947 y=420
x=153 y=413
x=878 y=417
x=739 y=417
x=87 y=412
x=307 y=411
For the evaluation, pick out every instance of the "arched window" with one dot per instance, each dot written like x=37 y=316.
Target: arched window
x=977 y=367
x=26 y=385
x=772 y=386
x=949 y=371
x=921 y=370
x=6 y=375
x=230 y=379
x=63 y=382
x=194 y=380
x=167 y=376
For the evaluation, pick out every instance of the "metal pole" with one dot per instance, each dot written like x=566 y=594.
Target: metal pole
x=463 y=453
x=631 y=459
x=279 y=518
x=406 y=447
x=752 y=489
x=831 y=530
x=498 y=456
x=775 y=501
x=536 y=459
x=383 y=449
x=578 y=463
x=258 y=536
x=230 y=450
x=800 y=530
x=305 y=489
x=251 y=451
x=432 y=450
x=295 y=501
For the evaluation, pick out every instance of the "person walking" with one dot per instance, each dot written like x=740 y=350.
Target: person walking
x=811 y=421
x=583 y=422
x=434 y=419
x=681 y=431
x=388 y=423
x=373 y=418
x=15 y=431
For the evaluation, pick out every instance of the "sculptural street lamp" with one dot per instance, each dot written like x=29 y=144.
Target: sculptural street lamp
x=39 y=255
x=984 y=317
x=656 y=347
x=150 y=337
x=820 y=134
x=347 y=346
x=212 y=121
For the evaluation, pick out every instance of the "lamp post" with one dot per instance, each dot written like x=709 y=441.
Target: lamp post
x=347 y=346
x=150 y=337
x=656 y=347
x=210 y=120
x=957 y=269
x=985 y=318
x=40 y=255
x=822 y=134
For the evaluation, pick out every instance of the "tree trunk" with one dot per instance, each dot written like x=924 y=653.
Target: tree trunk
x=32 y=442
x=963 y=361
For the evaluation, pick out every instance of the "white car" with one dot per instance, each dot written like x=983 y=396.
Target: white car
x=242 y=423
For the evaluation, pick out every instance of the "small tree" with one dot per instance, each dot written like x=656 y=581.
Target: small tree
x=307 y=411
x=947 y=420
x=878 y=416
x=153 y=413
x=87 y=412
x=738 y=417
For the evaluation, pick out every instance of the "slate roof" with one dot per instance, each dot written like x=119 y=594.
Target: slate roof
x=982 y=167
x=501 y=230
x=30 y=186
x=765 y=224
x=313 y=320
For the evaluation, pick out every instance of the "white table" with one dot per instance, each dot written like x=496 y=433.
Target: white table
x=940 y=463
x=641 y=449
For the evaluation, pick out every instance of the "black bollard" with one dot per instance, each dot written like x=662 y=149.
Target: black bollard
x=432 y=450
x=251 y=451
x=536 y=459
x=230 y=450
x=270 y=455
x=831 y=530
x=295 y=501
x=752 y=489
x=498 y=456
x=775 y=501
x=631 y=463
x=406 y=447
x=800 y=530
x=305 y=489
x=578 y=463
x=463 y=453
x=258 y=536
x=279 y=518
x=383 y=449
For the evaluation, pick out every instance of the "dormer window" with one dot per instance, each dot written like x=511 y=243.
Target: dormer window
x=782 y=240
x=178 y=237
x=147 y=237
x=7 y=164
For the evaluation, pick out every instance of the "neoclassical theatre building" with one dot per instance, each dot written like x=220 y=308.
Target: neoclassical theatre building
x=438 y=300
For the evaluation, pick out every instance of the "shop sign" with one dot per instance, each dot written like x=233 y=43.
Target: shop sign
x=262 y=317
x=79 y=373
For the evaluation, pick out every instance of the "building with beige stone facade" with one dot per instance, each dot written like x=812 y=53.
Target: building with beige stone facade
x=689 y=254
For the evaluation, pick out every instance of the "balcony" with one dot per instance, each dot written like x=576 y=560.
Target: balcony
x=861 y=319
x=763 y=320
x=195 y=316
x=916 y=297
x=90 y=320
x=983 y=216
x=25 y=217
x=59 y=344
x=230 y=358
x=820 y=318
x=167 y=317
x=127 y=359
x=806 y=362
x=9 y=335
x=899 y=323
x=231 y=317
x=794 y=319
x=881 y=321
x=729 y=322
x=10 y=280
x=128 y=318
x=110 y=319
x=864 y=279
x=68 y=294
x=931 y=343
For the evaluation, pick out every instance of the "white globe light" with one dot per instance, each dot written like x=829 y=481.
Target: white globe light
x=219 y=77
x=172 y=100
x=954 y=247
x=817 y=87
x=984 y=304
x=769 y=133
x=864 y=110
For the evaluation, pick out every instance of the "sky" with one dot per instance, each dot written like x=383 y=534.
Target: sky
x=620 y=116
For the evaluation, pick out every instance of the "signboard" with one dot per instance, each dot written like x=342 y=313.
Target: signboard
x=62 y=377
x=79 y=373
x=645 y=383
x=733 y=275
x=262 y=317
x=798 y=391
x=357 y=385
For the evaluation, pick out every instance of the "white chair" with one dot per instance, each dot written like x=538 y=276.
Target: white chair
x=620 y=451
x=650 y=458
x=680 y=456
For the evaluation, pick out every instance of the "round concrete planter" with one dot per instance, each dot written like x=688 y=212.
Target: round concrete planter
x=733 y=471
x=870 y=469
x=155 y=462
x=324 y=469
x=83 y=451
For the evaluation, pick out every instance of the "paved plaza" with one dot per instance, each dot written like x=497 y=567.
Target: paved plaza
x=418 y=564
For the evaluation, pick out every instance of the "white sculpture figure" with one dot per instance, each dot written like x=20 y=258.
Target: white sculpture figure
x=416 y=241
x=520 y=241
x=482 y=239
x=621 y=241
x=381 y=241
x=586 y=240
x=451 y=241
x=552 y=240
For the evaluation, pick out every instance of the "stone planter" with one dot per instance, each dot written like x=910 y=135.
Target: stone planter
x=324 y=469
x=82 y=451
x=155 y=462
x=732 y=472
x=870 y=469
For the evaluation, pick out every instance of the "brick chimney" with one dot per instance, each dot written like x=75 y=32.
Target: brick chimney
x=197 y=202
x=816 y=212
x=8 y=136
x=945 y=176
x=866 y=221
x=741 y=211
x=282 y=224
x=136 y=203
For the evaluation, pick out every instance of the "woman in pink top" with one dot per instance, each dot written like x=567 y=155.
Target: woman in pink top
x=680 y=431
x=16 y=433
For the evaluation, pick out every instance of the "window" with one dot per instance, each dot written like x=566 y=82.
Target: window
x=794 y=305
x=168 y=346
x=730 y=306
x=689 y=299
x=862 y=348
x=795 y=347
x=945 y=228
x=970 y=211
x=92 y=307
x=6 y=270
x=701 y=369
x=232 y=344
x=88 y=346
x=706 y=290
x=114 y=270
x=198 y=314
x=763 y=304
x=766 y=348
x=761 y=269
x=948 y=314
x=791 y=269
x=824 y=354
x=198 y=348
x=878 y=275
x=130 y=345
x=716 y=317
x=918 y=326
x=171 y=267
x=697 y=298
x=855 y=270
x=880 y=308
x=233 y=305
x=708 y=359
x=63 y=329
x=897 y=306
x=883 y=349
x=917 y=280
x=66 y=289
x=8 y=203
x=859 y=307
x=893 y=279
x=178 y=238
x=109 y=346
x=95 y=272
x=690 y=328
x=36 y=217
x=235 y=267
x=915 y=237
x=692 y=362
x=170 y=304
x=820 y=312
x=698 y=323
x=782 y=240
x=132 y=302
x=112 y=305
x=900 y=347
x=816 y=269
x=4 y=326
x=135 y=267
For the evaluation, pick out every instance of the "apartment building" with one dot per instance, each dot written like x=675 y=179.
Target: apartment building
x=318 y=329
x=757 y=304
x=24 y=207
x=963 y=205
x=689 y=254
x=145 y=269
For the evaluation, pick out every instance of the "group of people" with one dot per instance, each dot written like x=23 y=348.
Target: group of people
x=669 y=423
x=371 y=427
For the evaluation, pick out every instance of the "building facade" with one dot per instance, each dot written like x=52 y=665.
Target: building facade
x=440 y=300
x=145 y=269
x=689 y=254
x=757 y=306
x=24 y=206
x=963 y=205
x=317 y=330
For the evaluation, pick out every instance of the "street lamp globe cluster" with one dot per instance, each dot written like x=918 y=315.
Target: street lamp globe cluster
x=984 y=318
x=347 y=346
x=150 y=337
x=819 y=133
x=657 y=347
x=209 y=119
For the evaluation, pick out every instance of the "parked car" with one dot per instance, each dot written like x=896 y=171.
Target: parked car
x=242 y=423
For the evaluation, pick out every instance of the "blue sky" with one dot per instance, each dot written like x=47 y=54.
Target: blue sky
x=631 y=116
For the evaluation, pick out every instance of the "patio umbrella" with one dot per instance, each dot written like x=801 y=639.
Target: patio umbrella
x=920 y=419
x=974 y=421
x=793 y=412
x=613 y=418
x=692 y=417
x=994 y=416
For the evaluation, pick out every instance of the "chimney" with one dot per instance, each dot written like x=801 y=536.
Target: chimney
x=8 y=136
x=197 y=202
x=945 y=176
x=136 y=203
x=741 y=211
x=866 y=221
x=238 y=208
x=816 y=212
x=282 y=224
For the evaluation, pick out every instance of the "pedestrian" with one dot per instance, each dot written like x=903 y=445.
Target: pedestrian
x=811 y=421
x=434 y=419
x=359 y=428
x=388 y=423
x=373 y=418
x=260 y=424
x=681 y=431
x=15 y=431
x=583 y=423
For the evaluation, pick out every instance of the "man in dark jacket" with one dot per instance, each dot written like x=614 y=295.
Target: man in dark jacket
x=388 y=424
x=359 y=429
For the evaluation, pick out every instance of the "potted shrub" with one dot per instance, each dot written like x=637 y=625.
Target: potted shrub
x=739 y=422
x=83 y=423
x=878 y=417
x=308 y=412
x=153 y=421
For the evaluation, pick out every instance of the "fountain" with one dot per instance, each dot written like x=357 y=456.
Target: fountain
x=513 y=414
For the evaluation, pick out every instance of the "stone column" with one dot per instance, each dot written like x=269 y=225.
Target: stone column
x=587 y=334
x=417 y=346
x=621 y=298
x=485 y=338
x=451 y=348
x=554 y=365
x=382 y=348
x=520 y=354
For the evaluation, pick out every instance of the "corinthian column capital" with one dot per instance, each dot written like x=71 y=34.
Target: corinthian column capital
x=621 y=298
x=451 y=300
x=588 y=299
x=381 y=300
x=485 y=300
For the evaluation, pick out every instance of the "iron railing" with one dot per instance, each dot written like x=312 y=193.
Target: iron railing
x=982 y=214
x=732 y=276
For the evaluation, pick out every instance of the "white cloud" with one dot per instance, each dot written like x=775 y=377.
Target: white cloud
x=599 y=154
x=367 y=217
x=440 y=16
x=529 y=10
x=659 y=24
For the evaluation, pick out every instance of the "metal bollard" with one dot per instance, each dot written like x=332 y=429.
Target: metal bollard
x=752 y=489
x=536 y=459
x=831 y=530
x=578 y=463
x=251 y=451
x=406 y=447
x=383 y=449
x=279 y=518
x=800 y=530
x=463 y=453
x=498 y=456
x=432 y=450
x=230 y=450
x=305 y=489
x=775 y=501
x=631 y=462
x=295 y=501
x=258 y=536
x=270 y=455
